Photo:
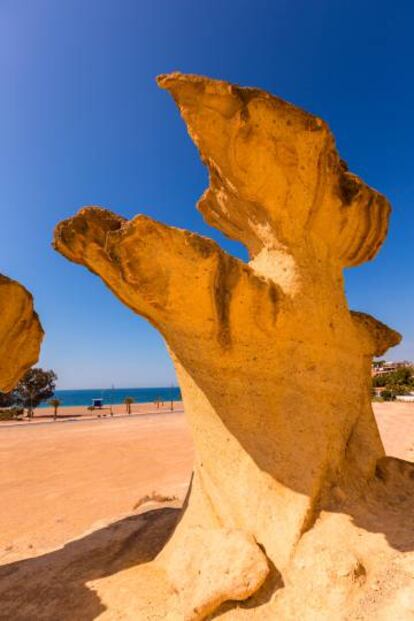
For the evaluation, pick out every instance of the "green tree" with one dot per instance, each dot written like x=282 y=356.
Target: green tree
x=387 y=395
x=6 y=399
x=398 y=389
x=128 y=402
x=37 y=385
x=55 y=403
x=400 y=377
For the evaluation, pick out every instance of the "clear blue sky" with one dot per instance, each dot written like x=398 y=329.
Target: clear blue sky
x=83 y=122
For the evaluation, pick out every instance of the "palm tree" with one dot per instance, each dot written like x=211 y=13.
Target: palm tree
x=55 y=403
x=128 y=402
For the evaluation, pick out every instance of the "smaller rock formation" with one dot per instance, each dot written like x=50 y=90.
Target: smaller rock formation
x=20 y=333
x=240 y=563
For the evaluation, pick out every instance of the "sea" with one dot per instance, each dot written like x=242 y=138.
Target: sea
x=114 y=395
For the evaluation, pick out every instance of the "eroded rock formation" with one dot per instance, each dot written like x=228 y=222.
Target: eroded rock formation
x=20 y=333
x=274 y=368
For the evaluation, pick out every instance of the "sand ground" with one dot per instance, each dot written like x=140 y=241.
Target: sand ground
x=59 y=480
x=72 y=510
x=75 y=412
x=396 y=424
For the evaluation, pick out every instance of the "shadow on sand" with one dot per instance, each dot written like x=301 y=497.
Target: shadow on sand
x=53 y=587
x=387 y=507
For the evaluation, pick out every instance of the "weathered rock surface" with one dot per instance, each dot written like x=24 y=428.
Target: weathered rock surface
x=20 y=333
x=274 y=367
x=233 y=555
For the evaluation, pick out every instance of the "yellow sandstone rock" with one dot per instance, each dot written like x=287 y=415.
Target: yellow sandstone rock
x=20 y=333
x=203 y=580
x=274 y=368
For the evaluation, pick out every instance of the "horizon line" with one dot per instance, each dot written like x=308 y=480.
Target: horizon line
x=122 y=388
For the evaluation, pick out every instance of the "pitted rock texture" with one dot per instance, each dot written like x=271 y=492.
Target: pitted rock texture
x=232 y=555
x=274 y=368
x=20 y=333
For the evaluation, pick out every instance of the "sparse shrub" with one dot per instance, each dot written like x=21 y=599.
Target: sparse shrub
x=153 y=497
x=11 y=413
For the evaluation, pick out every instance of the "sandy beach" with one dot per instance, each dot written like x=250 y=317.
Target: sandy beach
x=90 y=497
x=46 y=414
x=396 y=424
x=61 y=479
